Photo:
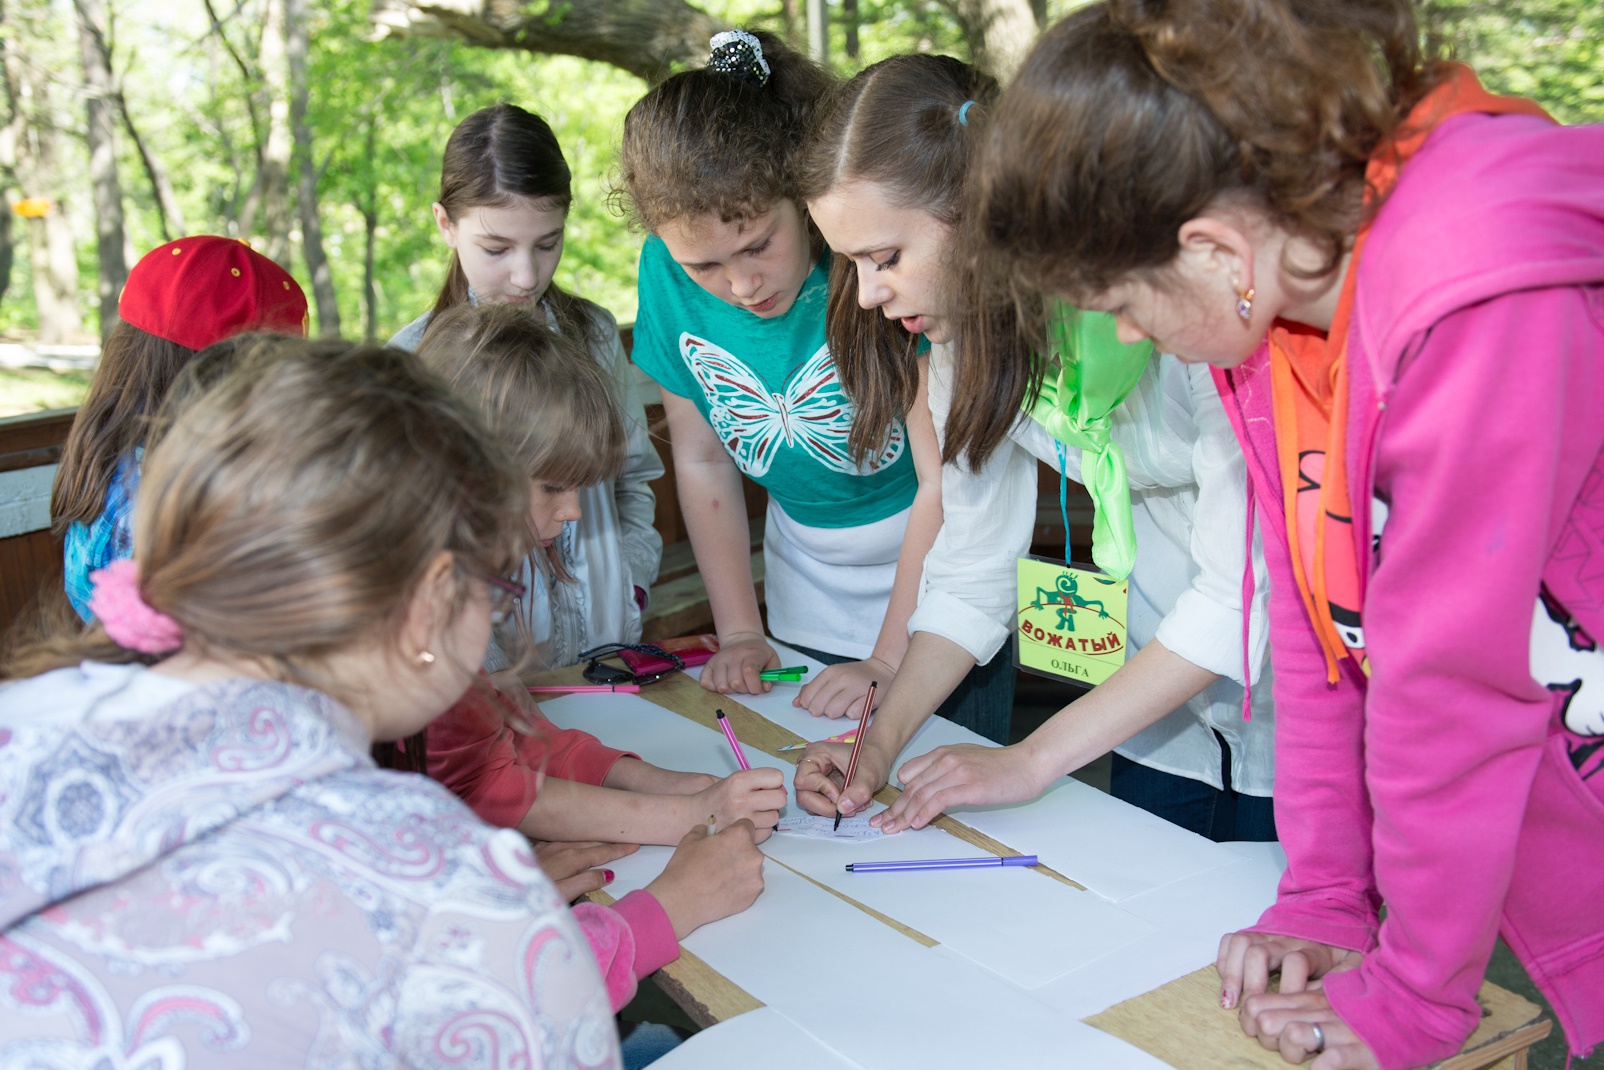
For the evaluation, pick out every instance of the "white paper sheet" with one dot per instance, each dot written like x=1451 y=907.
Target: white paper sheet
x=1094 y=839
x=854 y=829
x=883 y=1000
x=763 y=1037
x=1024 y=926
x=659 y=736
x=1190 y=916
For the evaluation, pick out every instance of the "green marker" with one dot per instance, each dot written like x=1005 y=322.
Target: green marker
x=793 y=673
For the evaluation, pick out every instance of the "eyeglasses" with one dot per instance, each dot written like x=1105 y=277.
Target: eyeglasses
x=503 y=592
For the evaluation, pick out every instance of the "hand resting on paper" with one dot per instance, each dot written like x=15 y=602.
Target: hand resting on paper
x=838 y=691
x=1285 y=1024
x=755 y=796
x=821 y=772
x=1247 y=959
x=960 y=774
x=710 y=876
x=572 y=866
x=734 y=669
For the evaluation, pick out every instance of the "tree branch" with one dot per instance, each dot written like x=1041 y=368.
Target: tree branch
x=648 y=38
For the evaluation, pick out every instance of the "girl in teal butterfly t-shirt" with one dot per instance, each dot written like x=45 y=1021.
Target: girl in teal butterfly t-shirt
x=733 y=291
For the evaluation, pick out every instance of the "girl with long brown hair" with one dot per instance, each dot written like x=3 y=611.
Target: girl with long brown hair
x=885 y=176
x=731 y=325
x=505 y=190
x=180 y=298
x=1398 y=278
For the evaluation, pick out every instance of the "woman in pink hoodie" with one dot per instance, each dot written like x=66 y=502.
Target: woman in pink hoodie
x=1391 y=268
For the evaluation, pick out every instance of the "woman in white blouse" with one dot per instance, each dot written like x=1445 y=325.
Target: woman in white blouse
x=884 y=182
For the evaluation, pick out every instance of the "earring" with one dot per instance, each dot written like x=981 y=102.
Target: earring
x=424 y=658
x=1244 y=304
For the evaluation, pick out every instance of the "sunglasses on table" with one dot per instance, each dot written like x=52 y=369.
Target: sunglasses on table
x=598 y=671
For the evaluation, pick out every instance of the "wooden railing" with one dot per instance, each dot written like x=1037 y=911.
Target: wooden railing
x=30 y=559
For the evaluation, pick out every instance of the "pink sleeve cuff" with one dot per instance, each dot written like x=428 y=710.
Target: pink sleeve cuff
x=1324 y=920
x=655 y=943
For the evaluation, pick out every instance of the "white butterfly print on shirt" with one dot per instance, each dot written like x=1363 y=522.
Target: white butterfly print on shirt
x=754 y=422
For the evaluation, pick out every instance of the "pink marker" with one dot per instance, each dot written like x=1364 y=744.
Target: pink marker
x=568 y=689
x=729 y=734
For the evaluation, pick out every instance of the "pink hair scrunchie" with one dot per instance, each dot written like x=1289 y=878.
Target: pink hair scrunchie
x=124 y=614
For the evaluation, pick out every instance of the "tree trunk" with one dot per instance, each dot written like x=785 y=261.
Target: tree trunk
x=1000 y=32
x=788 y=21
x=818 y=31
x=275 y=171
x=317 y=264
x=648 y=38
x=35 y=140
x=370 y=229
x=849 y=23
x=104 y=183
x=8 y=249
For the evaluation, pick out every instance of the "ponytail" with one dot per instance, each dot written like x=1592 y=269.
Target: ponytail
x=722 y=139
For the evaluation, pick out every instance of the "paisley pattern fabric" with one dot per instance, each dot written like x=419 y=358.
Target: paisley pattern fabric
x=219 y=876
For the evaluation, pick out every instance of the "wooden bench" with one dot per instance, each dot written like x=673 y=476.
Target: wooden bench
x=30 y=556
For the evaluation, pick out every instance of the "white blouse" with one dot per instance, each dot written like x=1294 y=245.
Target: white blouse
x=1188 y=504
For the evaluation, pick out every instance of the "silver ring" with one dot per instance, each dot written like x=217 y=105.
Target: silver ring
x=1319 y=1039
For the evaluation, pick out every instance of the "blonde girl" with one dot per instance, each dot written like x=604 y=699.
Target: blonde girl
x=552 y=406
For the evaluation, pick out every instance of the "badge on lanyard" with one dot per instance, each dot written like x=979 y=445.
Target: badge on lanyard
x=1072 y=618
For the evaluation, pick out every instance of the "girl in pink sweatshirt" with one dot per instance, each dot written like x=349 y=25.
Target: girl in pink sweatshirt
x=1399 y=279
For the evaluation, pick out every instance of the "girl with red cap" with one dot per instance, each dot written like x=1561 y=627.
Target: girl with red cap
x=181 y=297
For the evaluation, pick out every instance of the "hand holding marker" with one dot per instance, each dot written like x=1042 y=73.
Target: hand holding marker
x=857 y=744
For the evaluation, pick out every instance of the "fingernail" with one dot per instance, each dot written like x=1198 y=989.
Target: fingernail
x=1227 y=998
x=607 y=876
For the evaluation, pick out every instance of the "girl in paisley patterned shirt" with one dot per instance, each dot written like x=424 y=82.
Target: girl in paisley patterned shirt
x=203 y=865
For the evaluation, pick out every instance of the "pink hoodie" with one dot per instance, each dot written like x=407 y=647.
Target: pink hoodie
x=1452 y=785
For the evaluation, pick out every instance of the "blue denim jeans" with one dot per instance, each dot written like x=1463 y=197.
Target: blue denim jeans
x=1222 y=816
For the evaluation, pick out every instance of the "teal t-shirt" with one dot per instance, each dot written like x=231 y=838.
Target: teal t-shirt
x=768 y=388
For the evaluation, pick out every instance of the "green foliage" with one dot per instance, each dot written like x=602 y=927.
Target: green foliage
x=1550 y=50
x=380 y=112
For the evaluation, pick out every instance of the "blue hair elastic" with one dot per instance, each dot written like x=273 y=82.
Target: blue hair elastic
x=963 y=112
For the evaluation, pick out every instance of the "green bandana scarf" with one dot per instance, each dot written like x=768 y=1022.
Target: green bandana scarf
x=1095 y=373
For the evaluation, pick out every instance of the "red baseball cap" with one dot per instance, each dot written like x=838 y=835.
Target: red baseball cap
x=200 y=290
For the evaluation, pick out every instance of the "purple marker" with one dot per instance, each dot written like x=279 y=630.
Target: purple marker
x=941 y=863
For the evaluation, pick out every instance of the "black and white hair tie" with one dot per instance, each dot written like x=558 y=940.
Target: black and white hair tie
x=738 y=53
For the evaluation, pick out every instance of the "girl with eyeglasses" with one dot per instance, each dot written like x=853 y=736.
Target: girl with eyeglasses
x=199 y=851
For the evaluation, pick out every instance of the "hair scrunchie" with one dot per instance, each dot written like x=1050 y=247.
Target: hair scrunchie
x=963 y=112
x=128 y=620
x=738 y=53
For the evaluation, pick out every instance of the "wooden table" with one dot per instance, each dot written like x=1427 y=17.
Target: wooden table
x=1180 y=1023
